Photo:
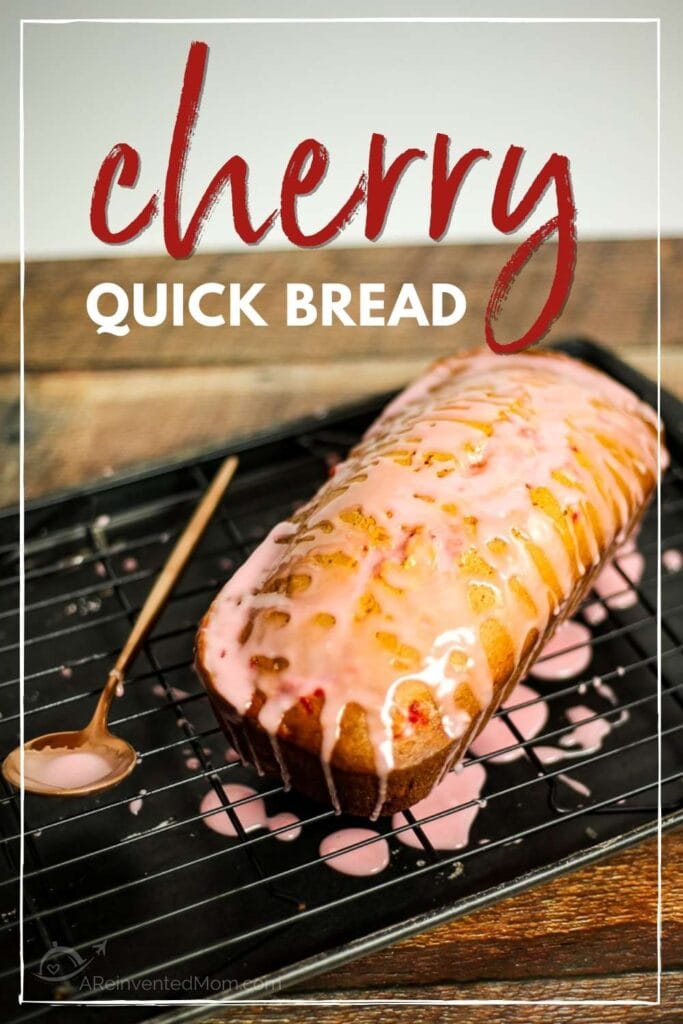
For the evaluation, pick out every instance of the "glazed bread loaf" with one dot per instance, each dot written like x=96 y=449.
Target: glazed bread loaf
x=369 y=638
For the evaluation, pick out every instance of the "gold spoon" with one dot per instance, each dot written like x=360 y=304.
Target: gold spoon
x=92 y=759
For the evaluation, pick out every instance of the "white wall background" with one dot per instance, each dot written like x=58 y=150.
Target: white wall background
x=586 y=90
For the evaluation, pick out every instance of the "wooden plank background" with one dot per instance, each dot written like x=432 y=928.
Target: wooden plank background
x=97 y=403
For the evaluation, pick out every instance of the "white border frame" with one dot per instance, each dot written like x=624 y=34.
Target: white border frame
x=329 y=20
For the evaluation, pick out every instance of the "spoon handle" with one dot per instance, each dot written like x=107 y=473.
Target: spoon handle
x=168 y=576
x=166 y=580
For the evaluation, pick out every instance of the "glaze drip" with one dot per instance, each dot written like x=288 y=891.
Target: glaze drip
x=251 y=814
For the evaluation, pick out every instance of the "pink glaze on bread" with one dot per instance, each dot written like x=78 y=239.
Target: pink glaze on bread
x=370 y=637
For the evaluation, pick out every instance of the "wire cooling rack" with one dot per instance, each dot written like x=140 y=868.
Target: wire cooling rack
x=130 y=896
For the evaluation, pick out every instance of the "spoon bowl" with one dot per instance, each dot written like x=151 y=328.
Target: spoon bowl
x=74 y=763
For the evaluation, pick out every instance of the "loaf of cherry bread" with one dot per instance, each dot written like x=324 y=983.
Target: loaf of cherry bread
x=370 y=637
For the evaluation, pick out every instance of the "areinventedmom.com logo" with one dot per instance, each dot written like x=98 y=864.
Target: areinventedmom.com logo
x=64 y=967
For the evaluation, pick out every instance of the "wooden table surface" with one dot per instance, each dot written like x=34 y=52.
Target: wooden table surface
x=96 y=404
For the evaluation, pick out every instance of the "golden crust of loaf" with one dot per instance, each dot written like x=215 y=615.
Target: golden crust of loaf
x=494 y=566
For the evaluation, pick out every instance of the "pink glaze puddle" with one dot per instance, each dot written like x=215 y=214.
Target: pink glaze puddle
x=192 y=763
x=129 y=564
x=611 y=585
x=452 y=831
x=64 y=768
x=282 y=820
x=66 y=672
x=251 y=815
x=605 y=690
x=588 y=734
x=594 y=613
x=672 y=560
x=586 y=738
x=568 y=652
x=497 y=735
x=135 y=806
x=366 y=860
